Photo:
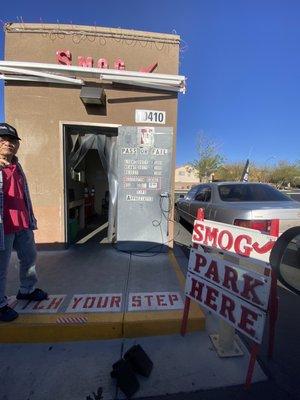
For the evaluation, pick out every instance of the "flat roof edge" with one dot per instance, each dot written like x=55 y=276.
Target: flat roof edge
x=91 y=30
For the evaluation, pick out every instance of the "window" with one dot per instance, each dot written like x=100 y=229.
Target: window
x=203 y=194
x=250 y=192
x=191 y=194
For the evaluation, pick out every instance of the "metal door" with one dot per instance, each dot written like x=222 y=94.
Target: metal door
x=202 y=199
x=144 y=186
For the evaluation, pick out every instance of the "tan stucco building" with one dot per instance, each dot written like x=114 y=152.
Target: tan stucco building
x=185 y=177
x=48 y=111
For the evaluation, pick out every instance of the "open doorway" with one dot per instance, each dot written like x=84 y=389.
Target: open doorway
x=90 y=183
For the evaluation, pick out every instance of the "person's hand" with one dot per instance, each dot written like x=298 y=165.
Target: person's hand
x=3 y=163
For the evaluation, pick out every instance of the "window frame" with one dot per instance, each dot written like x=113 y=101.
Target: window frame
x=204 y=188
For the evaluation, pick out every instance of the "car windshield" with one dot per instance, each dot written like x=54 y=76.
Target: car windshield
x=250 y=192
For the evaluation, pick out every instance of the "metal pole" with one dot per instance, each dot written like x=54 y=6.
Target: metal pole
x=253 y=356
x=225 y=342
x=185 y=316
x=226 y=337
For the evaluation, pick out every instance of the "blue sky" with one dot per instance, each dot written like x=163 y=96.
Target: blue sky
x=241 y=58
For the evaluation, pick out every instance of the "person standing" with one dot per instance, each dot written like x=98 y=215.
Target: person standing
x=17 y=223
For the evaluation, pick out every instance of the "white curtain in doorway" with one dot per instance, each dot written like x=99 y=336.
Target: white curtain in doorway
x=106 y=147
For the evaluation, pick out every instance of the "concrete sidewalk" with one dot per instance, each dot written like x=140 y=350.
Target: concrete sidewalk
x=74 y=370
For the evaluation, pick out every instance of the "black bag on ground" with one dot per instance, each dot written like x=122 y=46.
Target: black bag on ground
x=126 y=379
x=139 y=360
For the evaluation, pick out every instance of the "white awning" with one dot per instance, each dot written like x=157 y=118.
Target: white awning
x=64 y=74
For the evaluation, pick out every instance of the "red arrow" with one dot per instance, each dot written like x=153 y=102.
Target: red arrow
x=150 y=68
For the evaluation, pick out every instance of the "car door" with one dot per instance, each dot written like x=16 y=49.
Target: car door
x=202 y=199
x=183 y=205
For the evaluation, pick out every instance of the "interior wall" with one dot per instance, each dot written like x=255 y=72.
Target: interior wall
x=76 y=186
x=96 y=177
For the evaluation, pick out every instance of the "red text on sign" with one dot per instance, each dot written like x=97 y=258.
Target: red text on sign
x=224 y=239
x=244 y=284
x=239 y=314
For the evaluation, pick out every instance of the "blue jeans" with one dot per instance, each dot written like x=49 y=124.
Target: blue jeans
x=23 y=243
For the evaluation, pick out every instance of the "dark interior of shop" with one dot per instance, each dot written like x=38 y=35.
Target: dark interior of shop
x=87 y=191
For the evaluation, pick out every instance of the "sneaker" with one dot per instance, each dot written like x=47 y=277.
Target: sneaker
x=7 y=314
x=36 y=295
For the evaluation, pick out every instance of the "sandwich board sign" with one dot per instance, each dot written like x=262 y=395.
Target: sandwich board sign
x=229 y=274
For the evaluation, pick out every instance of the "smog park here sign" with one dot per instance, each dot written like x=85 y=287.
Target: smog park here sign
x=234 y=293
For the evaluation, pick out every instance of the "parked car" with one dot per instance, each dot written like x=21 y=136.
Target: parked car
x=252 y=205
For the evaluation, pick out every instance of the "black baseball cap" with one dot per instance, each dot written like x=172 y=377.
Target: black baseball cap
x=8 y=130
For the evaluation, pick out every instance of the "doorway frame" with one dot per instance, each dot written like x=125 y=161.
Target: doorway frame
x=64 y=198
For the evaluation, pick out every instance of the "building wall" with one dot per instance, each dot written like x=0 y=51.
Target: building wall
x=39 y=110
x=185 y=177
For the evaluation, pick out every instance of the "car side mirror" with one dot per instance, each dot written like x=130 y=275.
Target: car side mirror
x=285 y=259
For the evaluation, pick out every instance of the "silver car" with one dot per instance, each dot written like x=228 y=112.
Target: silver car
x=252 y=205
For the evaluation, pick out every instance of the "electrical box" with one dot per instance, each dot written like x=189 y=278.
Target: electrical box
x=144 y=187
